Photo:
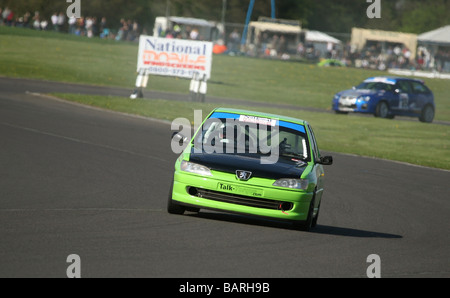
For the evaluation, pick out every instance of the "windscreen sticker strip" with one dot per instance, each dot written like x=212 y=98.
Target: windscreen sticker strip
x=259 y=120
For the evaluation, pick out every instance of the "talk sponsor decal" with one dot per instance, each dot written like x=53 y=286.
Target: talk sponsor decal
x=174 y=57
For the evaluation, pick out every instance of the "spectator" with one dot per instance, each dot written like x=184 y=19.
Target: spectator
x=281 y=46
x=72 y=25
x=80 y=27
x=134 y=32
x=104 y=30
x=187 y=32
x=397 y=50
x=36 y=21
x=123 y=31
x=37 y=24
x=122 y=34
x=8 y=16
x=26 y=20
x=44 y=25
x=102 y=25
x=54 y=20
x=129 y=30
x=300 y=49
x=89 y=27
x=61 y=21
x=194 y=34
x=176 y=32
x=234 y=41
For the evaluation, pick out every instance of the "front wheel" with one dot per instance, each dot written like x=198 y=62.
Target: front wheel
x=309 y=222
x=316 y=218
x=172 y=207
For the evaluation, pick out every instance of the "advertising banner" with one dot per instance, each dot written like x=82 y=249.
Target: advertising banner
x=174 y=57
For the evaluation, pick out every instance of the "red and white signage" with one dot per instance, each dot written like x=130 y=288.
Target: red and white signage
x=175 y=57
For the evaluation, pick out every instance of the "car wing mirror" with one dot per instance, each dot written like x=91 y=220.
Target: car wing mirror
x=180 y=138
x=326 y=160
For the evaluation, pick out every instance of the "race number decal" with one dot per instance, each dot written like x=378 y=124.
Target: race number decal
x=403 y=101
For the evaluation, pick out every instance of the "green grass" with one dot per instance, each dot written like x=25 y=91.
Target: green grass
x=59 y=57
x=406 y=141
x=53 y=56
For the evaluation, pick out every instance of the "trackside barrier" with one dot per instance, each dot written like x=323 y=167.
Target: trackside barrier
x=141 y=83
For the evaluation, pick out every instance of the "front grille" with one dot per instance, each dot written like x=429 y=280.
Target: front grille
x=352 y=106
x=239 y=199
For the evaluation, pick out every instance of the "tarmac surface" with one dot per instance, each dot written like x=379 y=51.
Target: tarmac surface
x=78 y=180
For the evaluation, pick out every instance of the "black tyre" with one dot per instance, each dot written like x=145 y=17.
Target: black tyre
x=316 y=218
x=193 y=209
x=308 y=224
x=172 y=207
x=427 y=114
x=382 y=110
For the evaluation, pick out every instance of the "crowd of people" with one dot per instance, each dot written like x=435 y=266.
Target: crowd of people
x=183 y=32
x=443 y=60
x=375 y=55
x=378 y=57
x=128 y=30
x=396 y=56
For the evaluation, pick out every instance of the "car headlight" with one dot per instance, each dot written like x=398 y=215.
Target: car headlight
x=191 y=167
x=364 y=98
x=292 y=183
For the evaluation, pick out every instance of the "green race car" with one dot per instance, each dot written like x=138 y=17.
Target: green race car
x=251 y=163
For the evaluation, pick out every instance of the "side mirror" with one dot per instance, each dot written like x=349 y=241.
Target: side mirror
x=326 y=160
x=178 y=137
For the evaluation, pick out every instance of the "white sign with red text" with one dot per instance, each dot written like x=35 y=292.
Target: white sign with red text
x=174 y=57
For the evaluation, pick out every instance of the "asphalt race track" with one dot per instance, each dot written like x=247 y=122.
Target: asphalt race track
x=77 y=180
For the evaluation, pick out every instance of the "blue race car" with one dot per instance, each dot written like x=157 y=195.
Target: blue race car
x=387 y=97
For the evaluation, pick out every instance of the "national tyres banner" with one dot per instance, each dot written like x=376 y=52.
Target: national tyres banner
x=174 y=57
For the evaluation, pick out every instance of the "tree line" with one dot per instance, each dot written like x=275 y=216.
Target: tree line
x=412 y=16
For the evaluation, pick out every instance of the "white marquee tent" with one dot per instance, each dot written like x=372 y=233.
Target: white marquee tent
x=440 y=36
x=317 y=36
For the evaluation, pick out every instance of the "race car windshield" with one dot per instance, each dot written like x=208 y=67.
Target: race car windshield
x=233 y=136
x=377 y=86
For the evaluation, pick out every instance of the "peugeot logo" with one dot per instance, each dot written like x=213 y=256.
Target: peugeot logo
x=243 y=175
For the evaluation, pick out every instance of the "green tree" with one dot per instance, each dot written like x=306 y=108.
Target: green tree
x=423 y=16
x=337 y=16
